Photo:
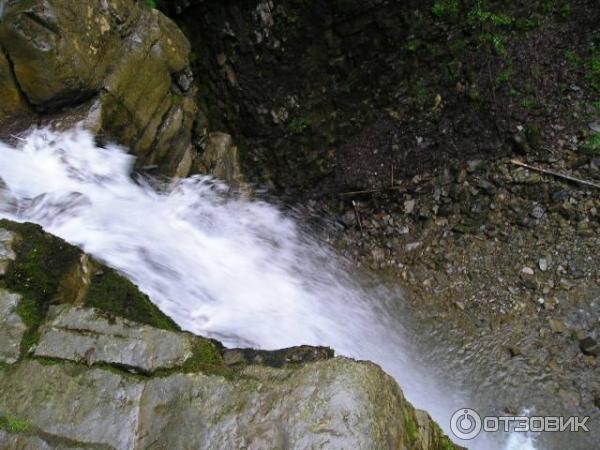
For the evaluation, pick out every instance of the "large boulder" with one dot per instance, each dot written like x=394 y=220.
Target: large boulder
x=125 y=65
x=95 y=365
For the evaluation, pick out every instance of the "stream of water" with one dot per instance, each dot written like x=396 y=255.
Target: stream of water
x=220 y=265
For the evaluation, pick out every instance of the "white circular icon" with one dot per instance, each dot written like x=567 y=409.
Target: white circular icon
x=465 y=423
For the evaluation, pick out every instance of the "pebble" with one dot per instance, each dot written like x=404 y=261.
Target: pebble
x=589 y=346
x=595 y=126
x=557 y=326
x=543 y=264
x=527 y=270
x=412 y=246
x=537 y=212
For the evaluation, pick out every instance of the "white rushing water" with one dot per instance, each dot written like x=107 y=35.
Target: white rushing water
x=222 y=266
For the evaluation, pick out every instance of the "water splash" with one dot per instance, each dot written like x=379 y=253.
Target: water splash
x=220 y=265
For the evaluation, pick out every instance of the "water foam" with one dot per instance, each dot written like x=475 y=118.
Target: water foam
x=222 y=266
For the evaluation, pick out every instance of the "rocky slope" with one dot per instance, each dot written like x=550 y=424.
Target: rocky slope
x=88 y=362
x=327 y=97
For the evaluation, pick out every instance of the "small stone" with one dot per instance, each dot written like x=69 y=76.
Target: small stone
x=514 y=351
x=589 y=346
x=409 y=206
x=527 y=270
x=221 y=59
x=537 y=212
x=595 y=126
x=6 y=252
x=413 y=246
x=233 y=358
x=543 y=264
x=557 y=326
x=474 y=165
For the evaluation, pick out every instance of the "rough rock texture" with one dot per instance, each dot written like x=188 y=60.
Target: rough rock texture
x=88 y=378
x=328 y=97
x=6 y=252
x=220 y=158
x=332 y=404
x=12 y=327
x=86 y=334
x=125 y=65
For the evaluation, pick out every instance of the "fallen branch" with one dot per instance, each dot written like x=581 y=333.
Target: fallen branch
x=374 y=191
x=555 y=174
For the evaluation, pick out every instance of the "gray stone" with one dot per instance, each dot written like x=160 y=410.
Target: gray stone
x=221 y=159
x=87 y=334
x=6 y=252
x=88 y=406
x=334 y=404
x=12 y=327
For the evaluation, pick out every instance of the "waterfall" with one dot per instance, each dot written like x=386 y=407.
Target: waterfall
x=239 y=270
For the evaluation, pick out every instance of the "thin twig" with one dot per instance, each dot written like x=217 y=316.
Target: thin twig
x=357 y=215
x=374 y=191
x=555 y=174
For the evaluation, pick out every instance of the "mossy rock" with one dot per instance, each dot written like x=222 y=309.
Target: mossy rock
x=48 y=270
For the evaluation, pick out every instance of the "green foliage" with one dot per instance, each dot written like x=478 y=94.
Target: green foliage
x=421 y=93
x=446 y=444
x=13 y=424
x=593 y=67
x=298 y=125
x=505 y=76
x=151 y=3
x=479 y=16
x=497 y=43
x=443 y=8
x=413 y=45
x=573 y=58
x=531 y=103
x=411 y=429
x=592 y=144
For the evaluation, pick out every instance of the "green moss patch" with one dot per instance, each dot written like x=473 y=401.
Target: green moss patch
x=115 y=294
x=207 y=359
x=13 y=424
x=43 y=270
x=41 y=261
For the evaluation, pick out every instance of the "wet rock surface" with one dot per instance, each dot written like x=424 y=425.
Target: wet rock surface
x=82 y=376
x=88 y=335
x=120 y=66
x=12 y=328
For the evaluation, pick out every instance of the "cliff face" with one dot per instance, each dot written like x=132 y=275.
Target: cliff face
x=88 y=362
x=120 y=66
